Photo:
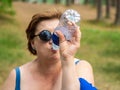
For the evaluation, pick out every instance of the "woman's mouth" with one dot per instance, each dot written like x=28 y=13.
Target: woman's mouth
x=54 y=51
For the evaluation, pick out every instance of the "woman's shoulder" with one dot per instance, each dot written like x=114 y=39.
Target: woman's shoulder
x=85 y=70
x=9 y=83
x=82 y=63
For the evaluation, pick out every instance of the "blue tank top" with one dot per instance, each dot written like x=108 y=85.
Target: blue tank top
x=84 y=85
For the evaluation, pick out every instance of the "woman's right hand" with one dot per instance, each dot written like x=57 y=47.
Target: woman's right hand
x=68 y=49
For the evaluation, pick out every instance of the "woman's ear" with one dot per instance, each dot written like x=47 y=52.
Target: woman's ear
x=33 y=44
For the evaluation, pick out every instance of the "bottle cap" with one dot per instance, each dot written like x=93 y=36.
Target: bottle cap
x=70 y=15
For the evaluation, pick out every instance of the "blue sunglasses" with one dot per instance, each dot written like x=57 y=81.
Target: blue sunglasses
x=44 y=35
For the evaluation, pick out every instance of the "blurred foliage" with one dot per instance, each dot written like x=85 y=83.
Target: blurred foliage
x=6 y=7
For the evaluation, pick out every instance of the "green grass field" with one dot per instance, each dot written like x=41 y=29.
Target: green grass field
x=100 y=45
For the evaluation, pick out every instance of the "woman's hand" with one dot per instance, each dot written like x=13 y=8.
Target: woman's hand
x=68 y=49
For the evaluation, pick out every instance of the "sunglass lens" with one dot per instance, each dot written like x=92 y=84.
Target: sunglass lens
x=45 y=35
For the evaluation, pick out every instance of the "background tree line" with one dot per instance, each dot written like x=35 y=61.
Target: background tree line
x=6 y=6
x=108 y=3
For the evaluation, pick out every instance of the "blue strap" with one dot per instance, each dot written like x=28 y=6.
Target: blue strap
x=17 y=87
x=77 y=62
x=84 y=85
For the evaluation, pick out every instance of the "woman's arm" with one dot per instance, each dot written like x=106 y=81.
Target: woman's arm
x=70 y=79
x=68 y=50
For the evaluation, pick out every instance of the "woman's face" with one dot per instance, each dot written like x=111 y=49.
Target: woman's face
x=44 y=49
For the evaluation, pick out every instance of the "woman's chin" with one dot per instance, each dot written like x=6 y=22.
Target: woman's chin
x=55 y=57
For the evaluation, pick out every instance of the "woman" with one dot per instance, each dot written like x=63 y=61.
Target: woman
x=52 y=69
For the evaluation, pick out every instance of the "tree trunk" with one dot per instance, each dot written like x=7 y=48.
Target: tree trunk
x=57 y=1
x=72 y=1
x=107 y=8
x=86 y=1
x=44 y=1
x=23 y=0
x=99 y=10
x=94 y=2
x=113 y=2
x=117 y=19
x=68 y=2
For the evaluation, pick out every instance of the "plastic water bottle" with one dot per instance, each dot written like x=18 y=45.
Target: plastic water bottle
x=68 y=16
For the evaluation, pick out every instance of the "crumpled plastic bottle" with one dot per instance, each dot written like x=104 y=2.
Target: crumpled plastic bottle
x=69 y=15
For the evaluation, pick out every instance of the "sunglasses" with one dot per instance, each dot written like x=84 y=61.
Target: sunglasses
x=44 y=35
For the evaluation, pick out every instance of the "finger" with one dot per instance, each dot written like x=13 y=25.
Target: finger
x=69 y=23
x=72 y=24
x=61 y=36
x=77 y=34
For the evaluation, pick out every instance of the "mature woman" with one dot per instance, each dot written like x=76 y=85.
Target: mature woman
x=52 y=69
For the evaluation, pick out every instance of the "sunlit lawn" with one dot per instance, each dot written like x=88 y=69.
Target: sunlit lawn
x=100 y=45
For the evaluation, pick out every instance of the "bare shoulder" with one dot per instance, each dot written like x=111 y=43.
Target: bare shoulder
x=84 y=64
x=9 y=84
x=84 y=70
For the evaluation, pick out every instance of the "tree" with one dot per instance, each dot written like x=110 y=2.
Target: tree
x=107 y=8
x=86 y=1
x=72 y=1
x=113 y=2
x=68 y=2
x=23 y=0
x=94 y=2
x=44 y=1
x=99 y=9
x=57 y=1
x=117 y=18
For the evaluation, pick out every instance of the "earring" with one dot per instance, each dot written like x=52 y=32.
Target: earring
x=34 y=48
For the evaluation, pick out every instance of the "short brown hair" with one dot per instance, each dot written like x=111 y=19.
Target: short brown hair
x=37 y=18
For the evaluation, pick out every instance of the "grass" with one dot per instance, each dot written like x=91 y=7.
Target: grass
x=100 y=45
x=13 y=51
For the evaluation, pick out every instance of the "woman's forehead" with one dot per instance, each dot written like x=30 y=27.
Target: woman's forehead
x=48 y=24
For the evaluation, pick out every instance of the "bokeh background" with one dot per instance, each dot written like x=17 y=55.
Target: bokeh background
x=100 y=27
